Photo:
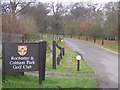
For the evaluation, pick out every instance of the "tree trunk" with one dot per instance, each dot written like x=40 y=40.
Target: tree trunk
x=94 y=39
x=102 y=42
x=79 y=37
x=115 y=38
x=86 y=38
x=109 y=38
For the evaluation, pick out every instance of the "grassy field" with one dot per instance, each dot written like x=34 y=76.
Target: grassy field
x=111 y=45
x=65 y=75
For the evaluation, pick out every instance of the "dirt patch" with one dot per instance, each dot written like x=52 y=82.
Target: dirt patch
x=62 y=75
x=82 y=75
x=69 y=65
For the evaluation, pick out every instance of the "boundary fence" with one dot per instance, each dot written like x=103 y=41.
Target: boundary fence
x=60 y=55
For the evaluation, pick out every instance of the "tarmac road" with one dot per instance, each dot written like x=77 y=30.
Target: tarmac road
x=103 y=62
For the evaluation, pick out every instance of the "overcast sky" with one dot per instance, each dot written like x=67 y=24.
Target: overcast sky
x=71 y=1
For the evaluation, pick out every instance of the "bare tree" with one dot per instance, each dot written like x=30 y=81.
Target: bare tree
x=10 y=12
x=58 y=11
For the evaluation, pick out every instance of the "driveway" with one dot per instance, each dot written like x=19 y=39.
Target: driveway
x=103 y=62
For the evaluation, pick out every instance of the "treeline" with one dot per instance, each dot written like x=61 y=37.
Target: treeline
x=80 y=18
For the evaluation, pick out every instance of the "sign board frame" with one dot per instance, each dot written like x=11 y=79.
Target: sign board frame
x=39 y=65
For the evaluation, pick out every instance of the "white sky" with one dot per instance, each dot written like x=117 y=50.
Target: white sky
x=71 y=1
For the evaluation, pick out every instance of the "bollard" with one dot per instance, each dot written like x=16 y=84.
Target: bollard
x=78 y=62
x=78 y=66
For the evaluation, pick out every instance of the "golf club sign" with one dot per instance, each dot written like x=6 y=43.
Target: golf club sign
x=22 y=57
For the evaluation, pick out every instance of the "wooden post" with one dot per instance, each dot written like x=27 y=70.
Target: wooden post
x=54 y=54
x=43 y=59
x=61 y=54
x=63 y=51
x=102 y=42
x=79 y=37
x=40 y=64
x=3 y=63
x=59 y=39
x=58 y=60
x=23 y=40
x=94 y=39
x=86 y=38
x=78 y=65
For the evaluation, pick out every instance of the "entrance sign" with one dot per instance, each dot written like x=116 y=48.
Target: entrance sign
x=22 y=57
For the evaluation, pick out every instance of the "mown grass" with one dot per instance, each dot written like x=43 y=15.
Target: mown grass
x=29 y=81
x=111 y=45
x=86 y=76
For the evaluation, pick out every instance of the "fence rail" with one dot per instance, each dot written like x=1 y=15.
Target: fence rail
x=61 y=54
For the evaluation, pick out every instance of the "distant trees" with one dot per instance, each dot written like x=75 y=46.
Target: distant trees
x=57 y=11
x=81 y=19
x=111 y=20
x=10 y=16
x=94 y=20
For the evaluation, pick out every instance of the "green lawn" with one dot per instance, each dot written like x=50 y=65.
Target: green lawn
x=29 y=81
x=64 y=76
x=111 y=45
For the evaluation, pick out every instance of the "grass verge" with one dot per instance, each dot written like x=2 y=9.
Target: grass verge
x=108 y=44
x=111 y=45
x=29 y=81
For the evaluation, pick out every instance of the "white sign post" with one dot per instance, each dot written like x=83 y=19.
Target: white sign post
x=78 y=57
